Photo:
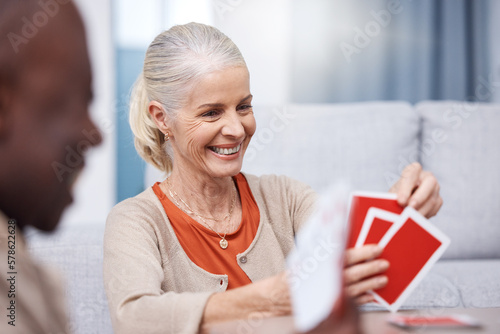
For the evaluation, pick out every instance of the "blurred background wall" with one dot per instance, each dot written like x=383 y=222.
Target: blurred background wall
x=95 y=191
x=297 y=51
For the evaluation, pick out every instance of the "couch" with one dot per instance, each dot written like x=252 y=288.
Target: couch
x=366 y=144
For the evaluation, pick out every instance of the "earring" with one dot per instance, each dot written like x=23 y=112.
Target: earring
x=166 y=137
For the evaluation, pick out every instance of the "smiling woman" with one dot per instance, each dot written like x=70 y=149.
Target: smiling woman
x=207 y=227
x=209 y=243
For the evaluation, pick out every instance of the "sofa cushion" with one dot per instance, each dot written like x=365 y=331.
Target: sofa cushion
x=476 y=281
x=455 y=283
x=366 y=144
x=458 y=283
x=461 y=146
x=76 y=252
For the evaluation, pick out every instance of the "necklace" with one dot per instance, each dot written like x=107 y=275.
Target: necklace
x=223 y=242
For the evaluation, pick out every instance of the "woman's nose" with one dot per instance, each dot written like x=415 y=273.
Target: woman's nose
x=233 y=126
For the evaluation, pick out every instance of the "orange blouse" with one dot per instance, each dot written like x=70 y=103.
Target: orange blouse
x=202 y=244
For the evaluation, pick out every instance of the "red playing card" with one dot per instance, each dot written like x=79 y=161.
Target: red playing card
x=361 y=202
x=412 y=245
x=375 y=226
x=378 y=230
x=426 y=321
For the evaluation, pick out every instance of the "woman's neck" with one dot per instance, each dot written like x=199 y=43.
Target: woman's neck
x=206 y=196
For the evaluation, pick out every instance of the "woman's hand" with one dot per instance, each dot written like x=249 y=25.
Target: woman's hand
x=269 y=297
x=276 y=291
x=418 y=189
x=363 y=272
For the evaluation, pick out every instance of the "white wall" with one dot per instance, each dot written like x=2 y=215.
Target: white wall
x=95 y=190
x=262 y=31
x=137 y=22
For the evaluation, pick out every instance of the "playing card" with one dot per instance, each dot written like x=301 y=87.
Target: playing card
x=411 y=245
x=360 y=203
x=426 y=321
x=375 y=226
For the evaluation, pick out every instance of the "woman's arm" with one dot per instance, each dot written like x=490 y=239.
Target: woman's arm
x=264 y=298
x=342 y=319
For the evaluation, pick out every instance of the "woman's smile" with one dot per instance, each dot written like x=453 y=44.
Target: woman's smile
x=226 y=150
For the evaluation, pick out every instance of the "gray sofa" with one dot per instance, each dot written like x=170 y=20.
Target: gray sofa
x=367 y=144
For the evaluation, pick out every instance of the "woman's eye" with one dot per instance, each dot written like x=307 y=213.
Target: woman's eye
x=245 y=107
x=211 y=113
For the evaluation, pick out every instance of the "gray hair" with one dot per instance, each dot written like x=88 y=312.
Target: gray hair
x=174 y=61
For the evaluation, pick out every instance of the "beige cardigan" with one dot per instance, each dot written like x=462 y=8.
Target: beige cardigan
x=151 y=284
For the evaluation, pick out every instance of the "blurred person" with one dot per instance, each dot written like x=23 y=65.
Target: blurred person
x=45 y=128
x=209 y=243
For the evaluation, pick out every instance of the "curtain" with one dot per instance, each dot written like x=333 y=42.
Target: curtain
x=363 y=50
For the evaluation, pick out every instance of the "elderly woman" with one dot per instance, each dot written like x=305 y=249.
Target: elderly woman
x=209 y=242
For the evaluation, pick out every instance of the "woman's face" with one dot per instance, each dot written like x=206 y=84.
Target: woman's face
x=211 y=133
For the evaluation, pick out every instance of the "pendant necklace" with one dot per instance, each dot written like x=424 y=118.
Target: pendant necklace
x=223 y=242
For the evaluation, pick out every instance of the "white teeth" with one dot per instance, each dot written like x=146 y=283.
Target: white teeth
x=226 y=151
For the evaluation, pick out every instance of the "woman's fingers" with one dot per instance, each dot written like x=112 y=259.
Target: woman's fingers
x=409 y=180
x=361 y=271
x=427 y=185
x=418 y=189
x=364 y=298
x=357 y=255
x=431 y=207
x=426 y=198
x=362 y=287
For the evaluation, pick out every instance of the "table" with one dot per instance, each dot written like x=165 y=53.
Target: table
x=371 y=323
x=375 y=322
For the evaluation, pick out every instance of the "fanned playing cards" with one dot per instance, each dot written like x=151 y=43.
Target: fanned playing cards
x=411 y=243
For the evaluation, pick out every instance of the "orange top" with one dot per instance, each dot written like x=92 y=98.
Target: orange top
x=202 y=244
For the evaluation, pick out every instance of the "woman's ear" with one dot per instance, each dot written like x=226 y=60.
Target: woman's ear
x=159 y=116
